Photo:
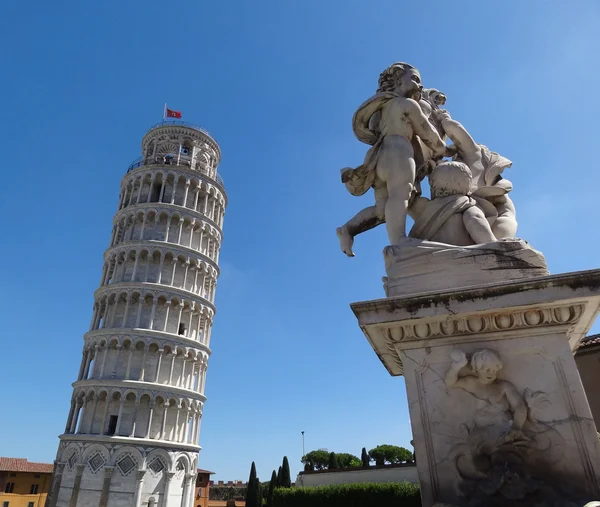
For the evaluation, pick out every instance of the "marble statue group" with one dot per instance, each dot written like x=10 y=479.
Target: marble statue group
x=473 y=320
x=408 y=132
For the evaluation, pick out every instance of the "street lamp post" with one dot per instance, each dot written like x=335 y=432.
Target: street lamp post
x=303 y=452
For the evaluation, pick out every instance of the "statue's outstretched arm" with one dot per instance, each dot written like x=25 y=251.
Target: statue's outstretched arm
x=459 y=360
x=425 y=130
x=459 y=136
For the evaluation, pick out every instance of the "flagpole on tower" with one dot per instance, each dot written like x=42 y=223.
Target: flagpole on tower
x=164 y=112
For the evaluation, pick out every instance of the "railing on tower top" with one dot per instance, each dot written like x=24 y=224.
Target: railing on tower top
x=180 y=123
x=182 y=161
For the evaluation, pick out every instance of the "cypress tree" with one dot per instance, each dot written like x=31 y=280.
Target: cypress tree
x=332 y=461
x=366 y=461
x=252 y=497
x=279 y=477
x=272 y=485
x=286 y=479
x=258 y=493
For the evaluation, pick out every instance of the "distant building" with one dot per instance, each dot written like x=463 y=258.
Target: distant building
x=587 y=358
x=224 y=494
x=202 y=488
x=230 y=484
x=23 y=483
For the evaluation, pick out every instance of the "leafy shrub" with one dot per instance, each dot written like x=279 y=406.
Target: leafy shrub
x=350 y=495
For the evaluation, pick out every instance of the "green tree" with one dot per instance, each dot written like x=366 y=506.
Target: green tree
x=279 y=476
x=286 y=479
x=253 y=498
x=378 y=454
x=347 y=460
x=272 y=484
x=318 y=459
x=364 y=457
x=383 y=454
x=355 y=463
x=258 y=493
x=405 y=456
x=332 y=463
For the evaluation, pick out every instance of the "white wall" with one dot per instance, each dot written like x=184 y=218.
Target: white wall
x=385 y=474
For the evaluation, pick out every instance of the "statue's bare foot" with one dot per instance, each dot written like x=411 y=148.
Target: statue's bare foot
x=346 y=240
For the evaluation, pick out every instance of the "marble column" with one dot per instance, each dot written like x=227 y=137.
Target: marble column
x=101 y=374
x=78 y=405
x=56 y=482
x=86 y=372
x=188 y=490
x=127 y=371
x=108 y=473
x=77 y=485
x=160 y=355
x=150 y=414
x=70 y=418
x=166 y=492
x=82 y=366
x=135 y=413
x=91 y=423
x=164 y=420
x=173 y=357
x=107 y=401
x=120 y=416
x=139 y=486
x=153 y=312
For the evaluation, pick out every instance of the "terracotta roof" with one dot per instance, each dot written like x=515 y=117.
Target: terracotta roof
x=22 y=465
x=593 y=339
x=200 y=471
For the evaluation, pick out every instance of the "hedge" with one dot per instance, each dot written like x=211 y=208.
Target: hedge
x=350 y=495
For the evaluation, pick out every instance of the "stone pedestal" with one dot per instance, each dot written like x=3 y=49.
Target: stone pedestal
x=497 y=408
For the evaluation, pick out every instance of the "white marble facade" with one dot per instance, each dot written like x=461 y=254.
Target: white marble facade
x=132 y=433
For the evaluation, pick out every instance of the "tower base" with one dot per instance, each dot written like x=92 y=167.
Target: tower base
x=113 y=474
x=498 y=412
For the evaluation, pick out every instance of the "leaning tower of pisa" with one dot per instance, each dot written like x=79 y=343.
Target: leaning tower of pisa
x=131 y=437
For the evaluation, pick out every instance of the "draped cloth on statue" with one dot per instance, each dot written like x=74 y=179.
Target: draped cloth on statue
x=361 y=179
x=436 y=214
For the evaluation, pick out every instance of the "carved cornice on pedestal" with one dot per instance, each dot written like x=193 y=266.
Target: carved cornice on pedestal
x=560 y=304
x=409 y=334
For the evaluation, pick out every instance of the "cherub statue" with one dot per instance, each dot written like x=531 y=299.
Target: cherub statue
x=486 y=167
x=506 y=452
x=451 y=216
x=505 y=406
x=393 y=122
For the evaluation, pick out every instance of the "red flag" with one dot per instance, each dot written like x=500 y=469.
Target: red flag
x=173 y=114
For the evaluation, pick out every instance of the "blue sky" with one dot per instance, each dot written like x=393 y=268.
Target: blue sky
x=276 y=82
